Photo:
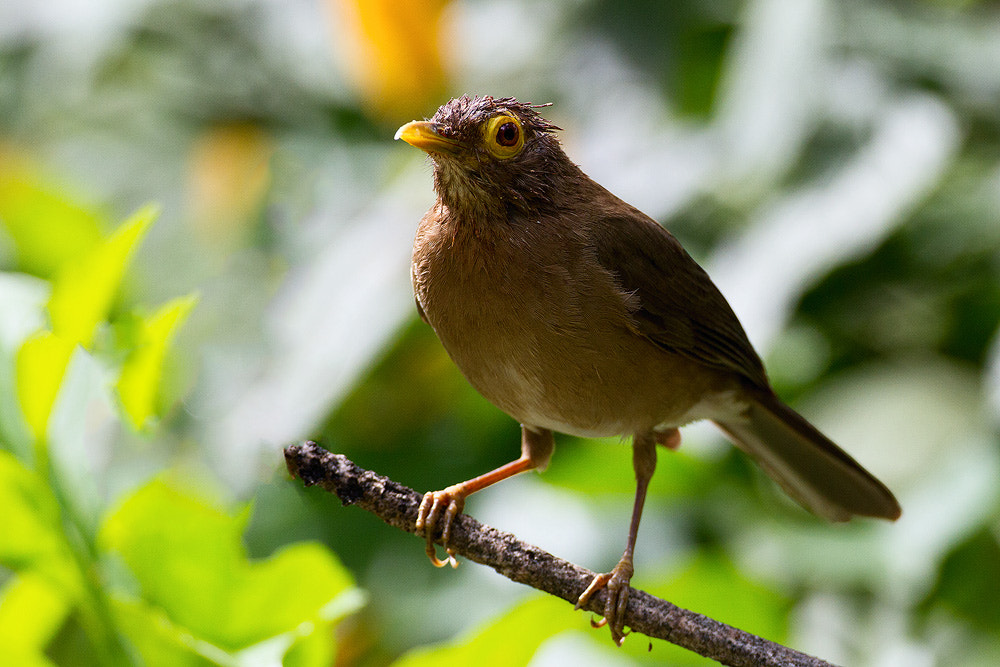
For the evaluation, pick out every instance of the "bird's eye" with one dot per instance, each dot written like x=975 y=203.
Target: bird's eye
x=508 y=134
x=504 y=136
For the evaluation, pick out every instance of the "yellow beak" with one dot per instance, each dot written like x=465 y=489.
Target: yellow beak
x=425 y=135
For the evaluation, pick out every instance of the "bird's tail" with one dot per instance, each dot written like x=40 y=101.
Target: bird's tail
x=809 y=467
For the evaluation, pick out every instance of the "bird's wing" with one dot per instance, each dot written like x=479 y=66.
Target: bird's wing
x=678 y=306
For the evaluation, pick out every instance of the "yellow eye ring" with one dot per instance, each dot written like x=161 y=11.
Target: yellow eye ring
x=504 y=136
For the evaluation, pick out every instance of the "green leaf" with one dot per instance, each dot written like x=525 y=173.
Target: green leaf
x=31 y=537
x=46 y=226
x=190 y=563
x=967 y=582
x=40 y=368
x=509 y=640
x=140 y=375
x=14 y=655
x=84 y=289
x=82 y=295
x=22 y=302
x=159 y=642
x=32 y=610
x=312 y=650
x=712 y=585
x=34 y=603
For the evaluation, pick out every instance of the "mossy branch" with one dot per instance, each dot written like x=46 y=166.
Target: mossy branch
x=527 y=564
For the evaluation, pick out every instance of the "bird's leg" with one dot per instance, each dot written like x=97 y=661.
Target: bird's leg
x=617 y=580
x=671 y=438
x=438 y=509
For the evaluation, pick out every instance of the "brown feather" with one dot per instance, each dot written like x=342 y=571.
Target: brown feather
x=573 y=311
x=679 y=307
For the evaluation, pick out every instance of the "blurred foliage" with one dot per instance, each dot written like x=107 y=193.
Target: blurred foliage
x=532 y=622
x=190 y=595
x=197 y=584
x=395 y=53
x=835 y=165
x=82 y=295
x=678 y=45
x=965 y=595
x=713 y=586
x=46 y=228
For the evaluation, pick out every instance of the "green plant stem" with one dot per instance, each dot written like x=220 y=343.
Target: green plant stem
x=96 y=614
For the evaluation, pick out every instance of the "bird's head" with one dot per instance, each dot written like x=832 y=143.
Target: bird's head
x=489 y=153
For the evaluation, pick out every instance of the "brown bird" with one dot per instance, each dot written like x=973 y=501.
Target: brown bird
x=572 y=311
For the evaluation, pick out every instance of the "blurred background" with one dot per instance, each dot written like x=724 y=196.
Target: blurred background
x=835 y=166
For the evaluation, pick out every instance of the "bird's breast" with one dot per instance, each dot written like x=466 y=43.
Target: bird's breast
x=541 y=330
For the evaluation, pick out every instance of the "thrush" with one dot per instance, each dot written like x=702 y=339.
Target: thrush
x=572 y=311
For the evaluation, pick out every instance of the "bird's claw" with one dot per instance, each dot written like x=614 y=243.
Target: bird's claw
x=439 y=506
x=616 y=583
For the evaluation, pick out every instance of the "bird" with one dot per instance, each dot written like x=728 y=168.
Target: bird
x=574 y=312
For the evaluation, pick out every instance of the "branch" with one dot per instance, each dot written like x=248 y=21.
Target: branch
x=527 y=564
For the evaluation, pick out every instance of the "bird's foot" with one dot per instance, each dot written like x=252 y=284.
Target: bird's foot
x=616 y=582
x=438 y=509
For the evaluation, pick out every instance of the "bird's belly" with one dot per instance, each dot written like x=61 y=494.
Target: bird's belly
x=620 y=386
x=552 y=344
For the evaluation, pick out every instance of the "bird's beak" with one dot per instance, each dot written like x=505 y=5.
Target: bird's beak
x=426 y=136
